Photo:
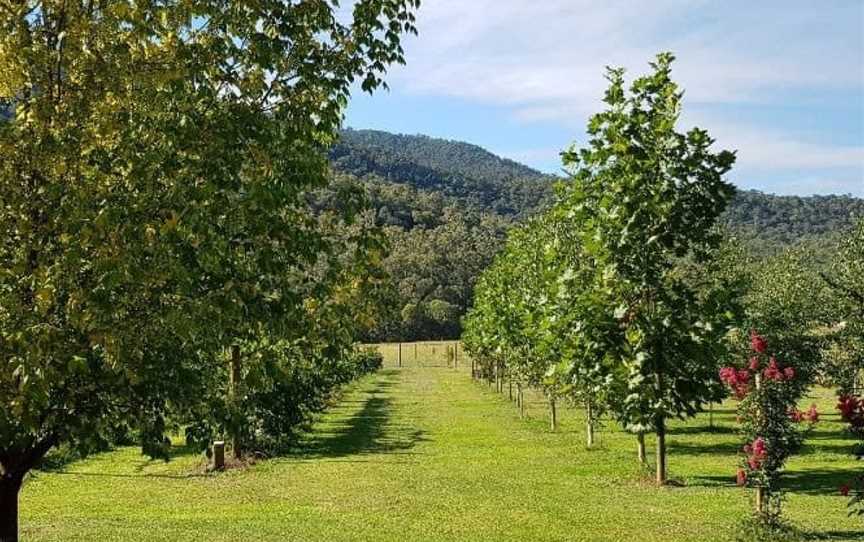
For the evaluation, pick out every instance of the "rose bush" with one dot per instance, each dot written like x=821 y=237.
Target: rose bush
x=768 y=391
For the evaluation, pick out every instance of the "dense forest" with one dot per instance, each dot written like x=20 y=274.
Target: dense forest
x=469 y=174
x=445 y=207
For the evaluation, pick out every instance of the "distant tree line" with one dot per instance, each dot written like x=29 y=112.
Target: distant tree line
x=446 y=205
x=631 y=298
x=163 y=265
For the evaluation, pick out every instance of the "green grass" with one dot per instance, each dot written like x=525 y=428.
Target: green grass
x=427 y=454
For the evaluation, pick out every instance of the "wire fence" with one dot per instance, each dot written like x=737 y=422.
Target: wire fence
x=448 y=354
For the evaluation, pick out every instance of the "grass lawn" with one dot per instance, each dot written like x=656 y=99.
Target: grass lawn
x=427 y=454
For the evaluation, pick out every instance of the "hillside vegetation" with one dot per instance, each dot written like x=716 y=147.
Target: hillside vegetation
x=446 y=205
x=467 y=173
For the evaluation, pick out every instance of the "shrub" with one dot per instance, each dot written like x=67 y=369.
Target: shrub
x=768 y=391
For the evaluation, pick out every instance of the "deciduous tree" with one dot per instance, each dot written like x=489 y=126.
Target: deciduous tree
x=150 y=195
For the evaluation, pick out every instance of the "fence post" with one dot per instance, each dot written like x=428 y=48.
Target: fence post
x=219 y=455
x=456 y=355
x=235 y=375
x=400 y=355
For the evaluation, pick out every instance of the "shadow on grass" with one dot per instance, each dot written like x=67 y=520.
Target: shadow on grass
x=833 y=535
x=808 y=482
x=716 y=448
x=367 y=431
x=58 y=461
x=701 y=429
x=816 y=481
x=173 y=453
x=187 y=476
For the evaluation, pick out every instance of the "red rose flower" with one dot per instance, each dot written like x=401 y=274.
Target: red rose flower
x=757 y=342
x=773 y=371
x=754 y=363
x=844 y=490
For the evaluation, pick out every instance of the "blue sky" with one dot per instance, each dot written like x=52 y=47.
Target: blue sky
x=781 y=81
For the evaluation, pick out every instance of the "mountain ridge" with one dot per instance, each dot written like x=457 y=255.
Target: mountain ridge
x=480 y=179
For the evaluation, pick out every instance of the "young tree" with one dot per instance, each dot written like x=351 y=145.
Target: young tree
x=845 y=281
x=646 y=196
x=149 y=198
x=578 y=341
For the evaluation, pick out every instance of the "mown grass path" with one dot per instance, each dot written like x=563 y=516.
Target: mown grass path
x=427 y=454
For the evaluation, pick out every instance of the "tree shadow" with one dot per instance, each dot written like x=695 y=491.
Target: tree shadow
x=833 y=535
x=367 y=431
x=816 y=481
x=186 y=476
x=718 y=448
x=808 y=482
x=58 y=462
x=701 y=429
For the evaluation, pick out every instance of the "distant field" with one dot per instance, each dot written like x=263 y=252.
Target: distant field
x=424 y=354
x=419 y=454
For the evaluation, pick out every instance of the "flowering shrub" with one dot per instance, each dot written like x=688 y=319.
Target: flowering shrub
x=771 y=423
x=737 y=379
x=851 y=410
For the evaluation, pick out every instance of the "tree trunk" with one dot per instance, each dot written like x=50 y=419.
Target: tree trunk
x=236 y=440
x=661 y=450
x=761 y=502
x=553 y=415
x=761 y=494
x=520 y=400
x=510 y=393
x=9 y=489
x=640 y=447
x=589 y=423
x=711 y=416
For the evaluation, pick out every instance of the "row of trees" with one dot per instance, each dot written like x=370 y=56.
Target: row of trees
x=160 y=262
x=626 y=297
x=595 y=297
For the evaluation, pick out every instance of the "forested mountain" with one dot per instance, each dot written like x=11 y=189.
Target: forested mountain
x=783 y=220
x=442 y=155
x=472 y=175
x=445 y=206
x=475 y=177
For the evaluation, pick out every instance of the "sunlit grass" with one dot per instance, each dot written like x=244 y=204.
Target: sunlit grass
x=427 y=454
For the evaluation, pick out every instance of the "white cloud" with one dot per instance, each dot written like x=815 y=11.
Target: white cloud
x=766 y=148
x=553 y=52
x=544 y=61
